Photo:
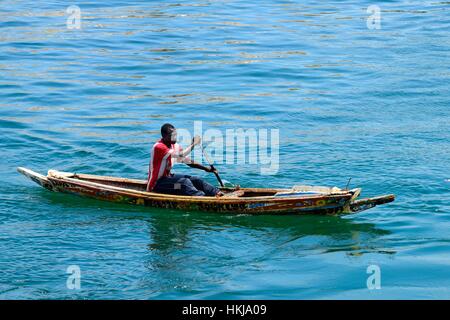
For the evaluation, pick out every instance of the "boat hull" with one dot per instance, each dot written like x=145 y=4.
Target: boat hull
x=96 y=187
x=328 y=204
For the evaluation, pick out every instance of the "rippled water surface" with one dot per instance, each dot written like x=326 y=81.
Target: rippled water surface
x=349 y=102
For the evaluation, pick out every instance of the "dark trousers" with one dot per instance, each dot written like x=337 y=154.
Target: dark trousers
x=184 y=185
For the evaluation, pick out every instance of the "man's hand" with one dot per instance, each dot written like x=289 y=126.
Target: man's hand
x=196 y=141
x=211 y=169
x=196 y=165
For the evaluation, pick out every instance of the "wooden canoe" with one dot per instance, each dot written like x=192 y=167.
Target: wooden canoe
x=309 y=200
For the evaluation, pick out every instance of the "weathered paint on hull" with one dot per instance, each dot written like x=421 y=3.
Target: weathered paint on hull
x=259 y=201
x=37 y=178
x=332 y=205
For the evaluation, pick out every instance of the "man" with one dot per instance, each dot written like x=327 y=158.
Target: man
x=159 y=177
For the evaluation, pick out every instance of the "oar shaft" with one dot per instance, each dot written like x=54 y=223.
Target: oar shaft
x=212 y=167
x=217 y=176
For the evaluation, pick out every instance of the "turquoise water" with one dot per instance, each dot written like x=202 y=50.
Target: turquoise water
x=349 y=101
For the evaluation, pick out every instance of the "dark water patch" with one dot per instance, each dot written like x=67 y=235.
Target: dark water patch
x=9 y=24
x=10 y=124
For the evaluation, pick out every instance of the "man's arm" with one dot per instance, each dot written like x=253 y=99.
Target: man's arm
x=188 y=150
x=191 y=163
x=197 y=165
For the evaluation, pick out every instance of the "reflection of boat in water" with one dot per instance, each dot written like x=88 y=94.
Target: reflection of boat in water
x=249 y=237
x=298 y=200
x=317 y=232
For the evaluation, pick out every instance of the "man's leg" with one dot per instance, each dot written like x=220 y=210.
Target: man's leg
x=177 y=184
x=204 y=186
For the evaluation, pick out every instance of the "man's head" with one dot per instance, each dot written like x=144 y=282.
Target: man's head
x=169 y=133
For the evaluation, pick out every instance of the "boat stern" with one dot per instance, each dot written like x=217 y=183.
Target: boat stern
x=36 y=177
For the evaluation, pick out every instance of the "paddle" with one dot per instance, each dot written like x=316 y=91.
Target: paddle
x=212 y=166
